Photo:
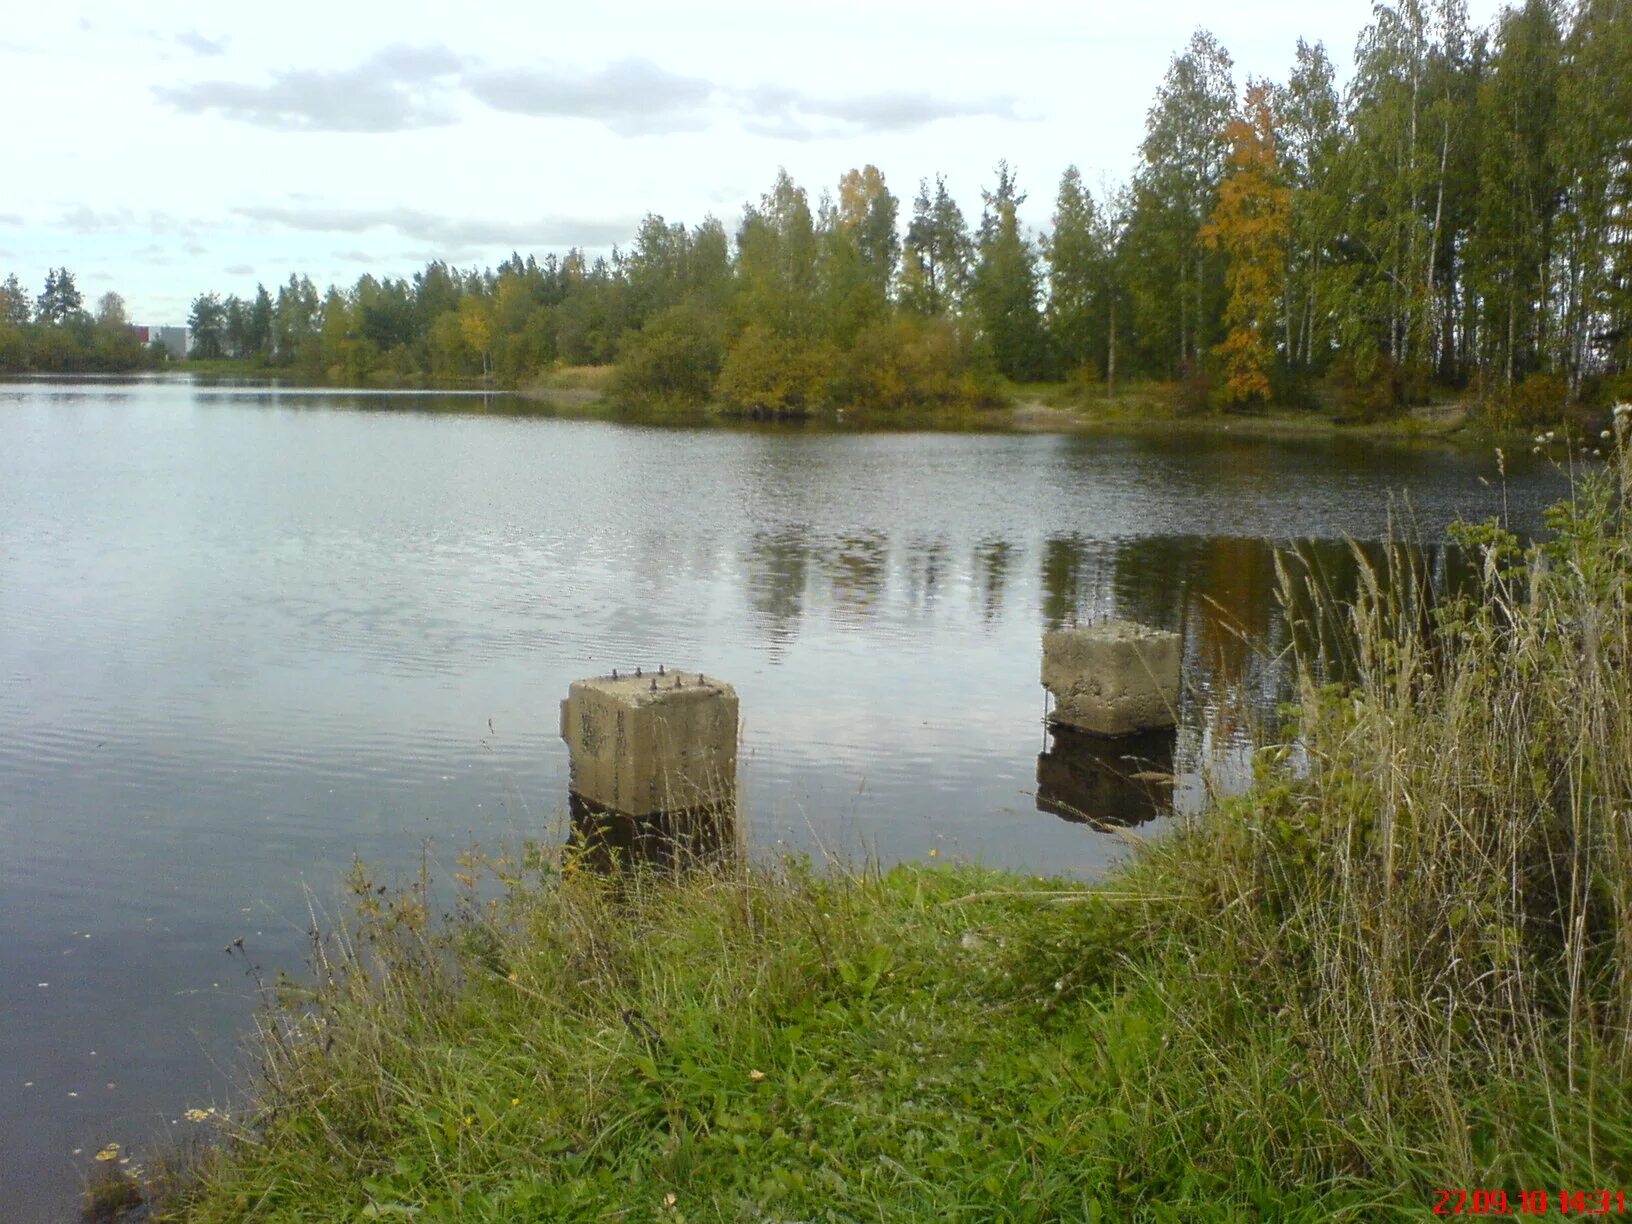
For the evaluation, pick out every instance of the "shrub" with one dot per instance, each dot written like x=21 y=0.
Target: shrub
x=1196 y=388
x=1539 y=400
x=910 y=364
x=674 y=360
x=770 y=375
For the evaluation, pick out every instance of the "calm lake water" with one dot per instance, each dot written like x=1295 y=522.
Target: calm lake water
x=246 y=634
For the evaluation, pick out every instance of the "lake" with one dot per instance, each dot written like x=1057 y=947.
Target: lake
x=247 y=633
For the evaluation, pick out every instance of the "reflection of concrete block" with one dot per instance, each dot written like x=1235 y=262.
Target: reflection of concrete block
x=1104 y=782
x=1113 y=678
x=610 y=841
x=639 y=750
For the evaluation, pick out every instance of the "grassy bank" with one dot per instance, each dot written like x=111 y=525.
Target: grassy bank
x=1401 y=964
x=589 y=392
x=257 y=369
x=1135 y=407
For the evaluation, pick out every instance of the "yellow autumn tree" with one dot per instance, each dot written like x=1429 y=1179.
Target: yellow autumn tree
x=1251 y=225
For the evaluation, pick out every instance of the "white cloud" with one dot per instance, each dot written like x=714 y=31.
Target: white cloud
x=200 y=45
x=396 y=89
x=448 y=233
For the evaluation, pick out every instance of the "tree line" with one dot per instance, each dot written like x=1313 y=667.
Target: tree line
x=1457 y=218
x=54 y=332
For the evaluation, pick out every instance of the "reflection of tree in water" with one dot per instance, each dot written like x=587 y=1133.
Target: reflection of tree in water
x=1412 y=580
x=925 y=565
x=991 y=563
x=778 y=567
x=1235 y=605
x=1155 y=576
x=856 y=569
x=1072 y=579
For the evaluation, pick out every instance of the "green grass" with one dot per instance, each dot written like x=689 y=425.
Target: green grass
x=757 y=1045
x=1402 y=963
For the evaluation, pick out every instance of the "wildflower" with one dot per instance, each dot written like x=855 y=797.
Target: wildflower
x=1550 y=434
x=1535 y=450
x=515 y=1100
x=1541 y=437
x=512 y=977
x=111 y=1152
x=756 y=1075
x=933 y=852
x=1621 y=409
x=1603 y=433
x=1596 y=453
x=669 y=1200
x=470 y=1119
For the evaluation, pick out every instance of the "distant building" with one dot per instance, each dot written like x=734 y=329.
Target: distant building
x=177 y=341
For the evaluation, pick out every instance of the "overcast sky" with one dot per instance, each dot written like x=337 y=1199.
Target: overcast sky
x=165 y=150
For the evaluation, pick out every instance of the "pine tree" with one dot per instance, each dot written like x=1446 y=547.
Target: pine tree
x=1076 y=276
x=1005 y=288
x=935 y=268
x=61 y=299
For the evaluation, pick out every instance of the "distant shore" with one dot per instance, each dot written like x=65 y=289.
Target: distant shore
x=1141 y=407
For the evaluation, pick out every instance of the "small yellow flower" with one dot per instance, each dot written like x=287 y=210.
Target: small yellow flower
x=513 y=978
x=934 y=853
x=515 y=1100
x=111 y=1152
x=756 y=1075
x=470 y=1119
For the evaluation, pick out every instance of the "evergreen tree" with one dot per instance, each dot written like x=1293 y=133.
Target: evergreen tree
x=1079 y=276
x=258 y=330
x=1004 y=290
x=14 y=311
x=208 y=321
x=935 y=268
x=61 y=299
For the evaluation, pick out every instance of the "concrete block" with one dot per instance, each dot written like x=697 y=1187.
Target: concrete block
x=1113 y=678
x=646 y=744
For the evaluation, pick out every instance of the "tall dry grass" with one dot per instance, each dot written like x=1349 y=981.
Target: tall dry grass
x=1429 y=889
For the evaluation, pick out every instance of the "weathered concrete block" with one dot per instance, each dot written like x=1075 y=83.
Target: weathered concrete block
x=1113 y=678
x=640 y=749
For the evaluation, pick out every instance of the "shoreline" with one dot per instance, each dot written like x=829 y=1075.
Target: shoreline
x=581 y=394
